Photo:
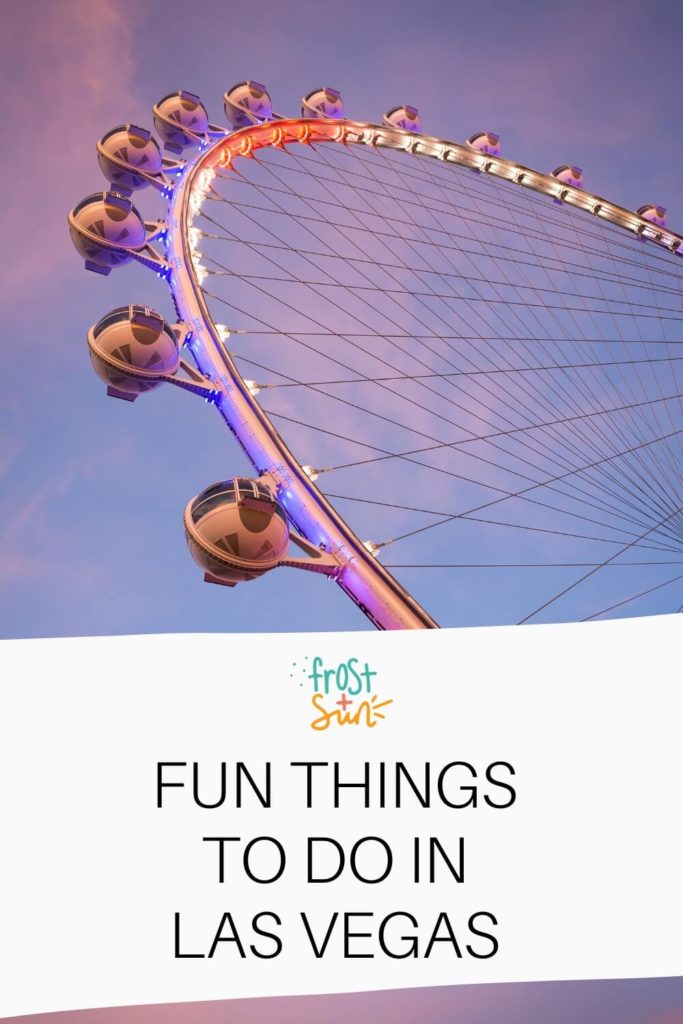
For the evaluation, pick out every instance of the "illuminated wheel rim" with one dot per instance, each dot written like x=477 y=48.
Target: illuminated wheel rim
x=380 y=596
x=633 y=487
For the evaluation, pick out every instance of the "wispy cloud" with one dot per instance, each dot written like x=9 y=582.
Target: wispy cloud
x=68 y=67
x=32 y=547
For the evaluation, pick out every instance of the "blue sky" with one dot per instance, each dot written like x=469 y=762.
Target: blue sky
x=91 y=490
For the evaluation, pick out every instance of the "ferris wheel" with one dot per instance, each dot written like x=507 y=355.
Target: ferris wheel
x=441 y=364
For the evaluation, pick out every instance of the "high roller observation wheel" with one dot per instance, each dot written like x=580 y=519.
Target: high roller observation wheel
x=351 y=562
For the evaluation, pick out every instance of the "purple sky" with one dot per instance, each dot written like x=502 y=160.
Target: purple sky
x=633 y=1001
x=92 y=490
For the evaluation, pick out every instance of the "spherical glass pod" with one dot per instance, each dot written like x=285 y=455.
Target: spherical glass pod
x=653 y=213
x=125 y=150
x=106 y=230
x=405 y=117
x=247 y=103
x=569 y=174
x=485 y=142
x=236 y=530
x=323 y=103
x=132 y=349
x=179 y=118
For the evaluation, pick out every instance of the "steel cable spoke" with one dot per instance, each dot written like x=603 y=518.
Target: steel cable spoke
x=526 y=350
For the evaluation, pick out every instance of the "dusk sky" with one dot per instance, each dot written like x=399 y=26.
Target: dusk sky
x=630 y=1001
x=92 y=490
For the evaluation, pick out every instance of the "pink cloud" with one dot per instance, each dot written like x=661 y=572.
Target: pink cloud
x=70 y=67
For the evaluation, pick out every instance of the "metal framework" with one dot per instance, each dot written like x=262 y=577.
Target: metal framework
x=382 y=599
x=169 y=247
